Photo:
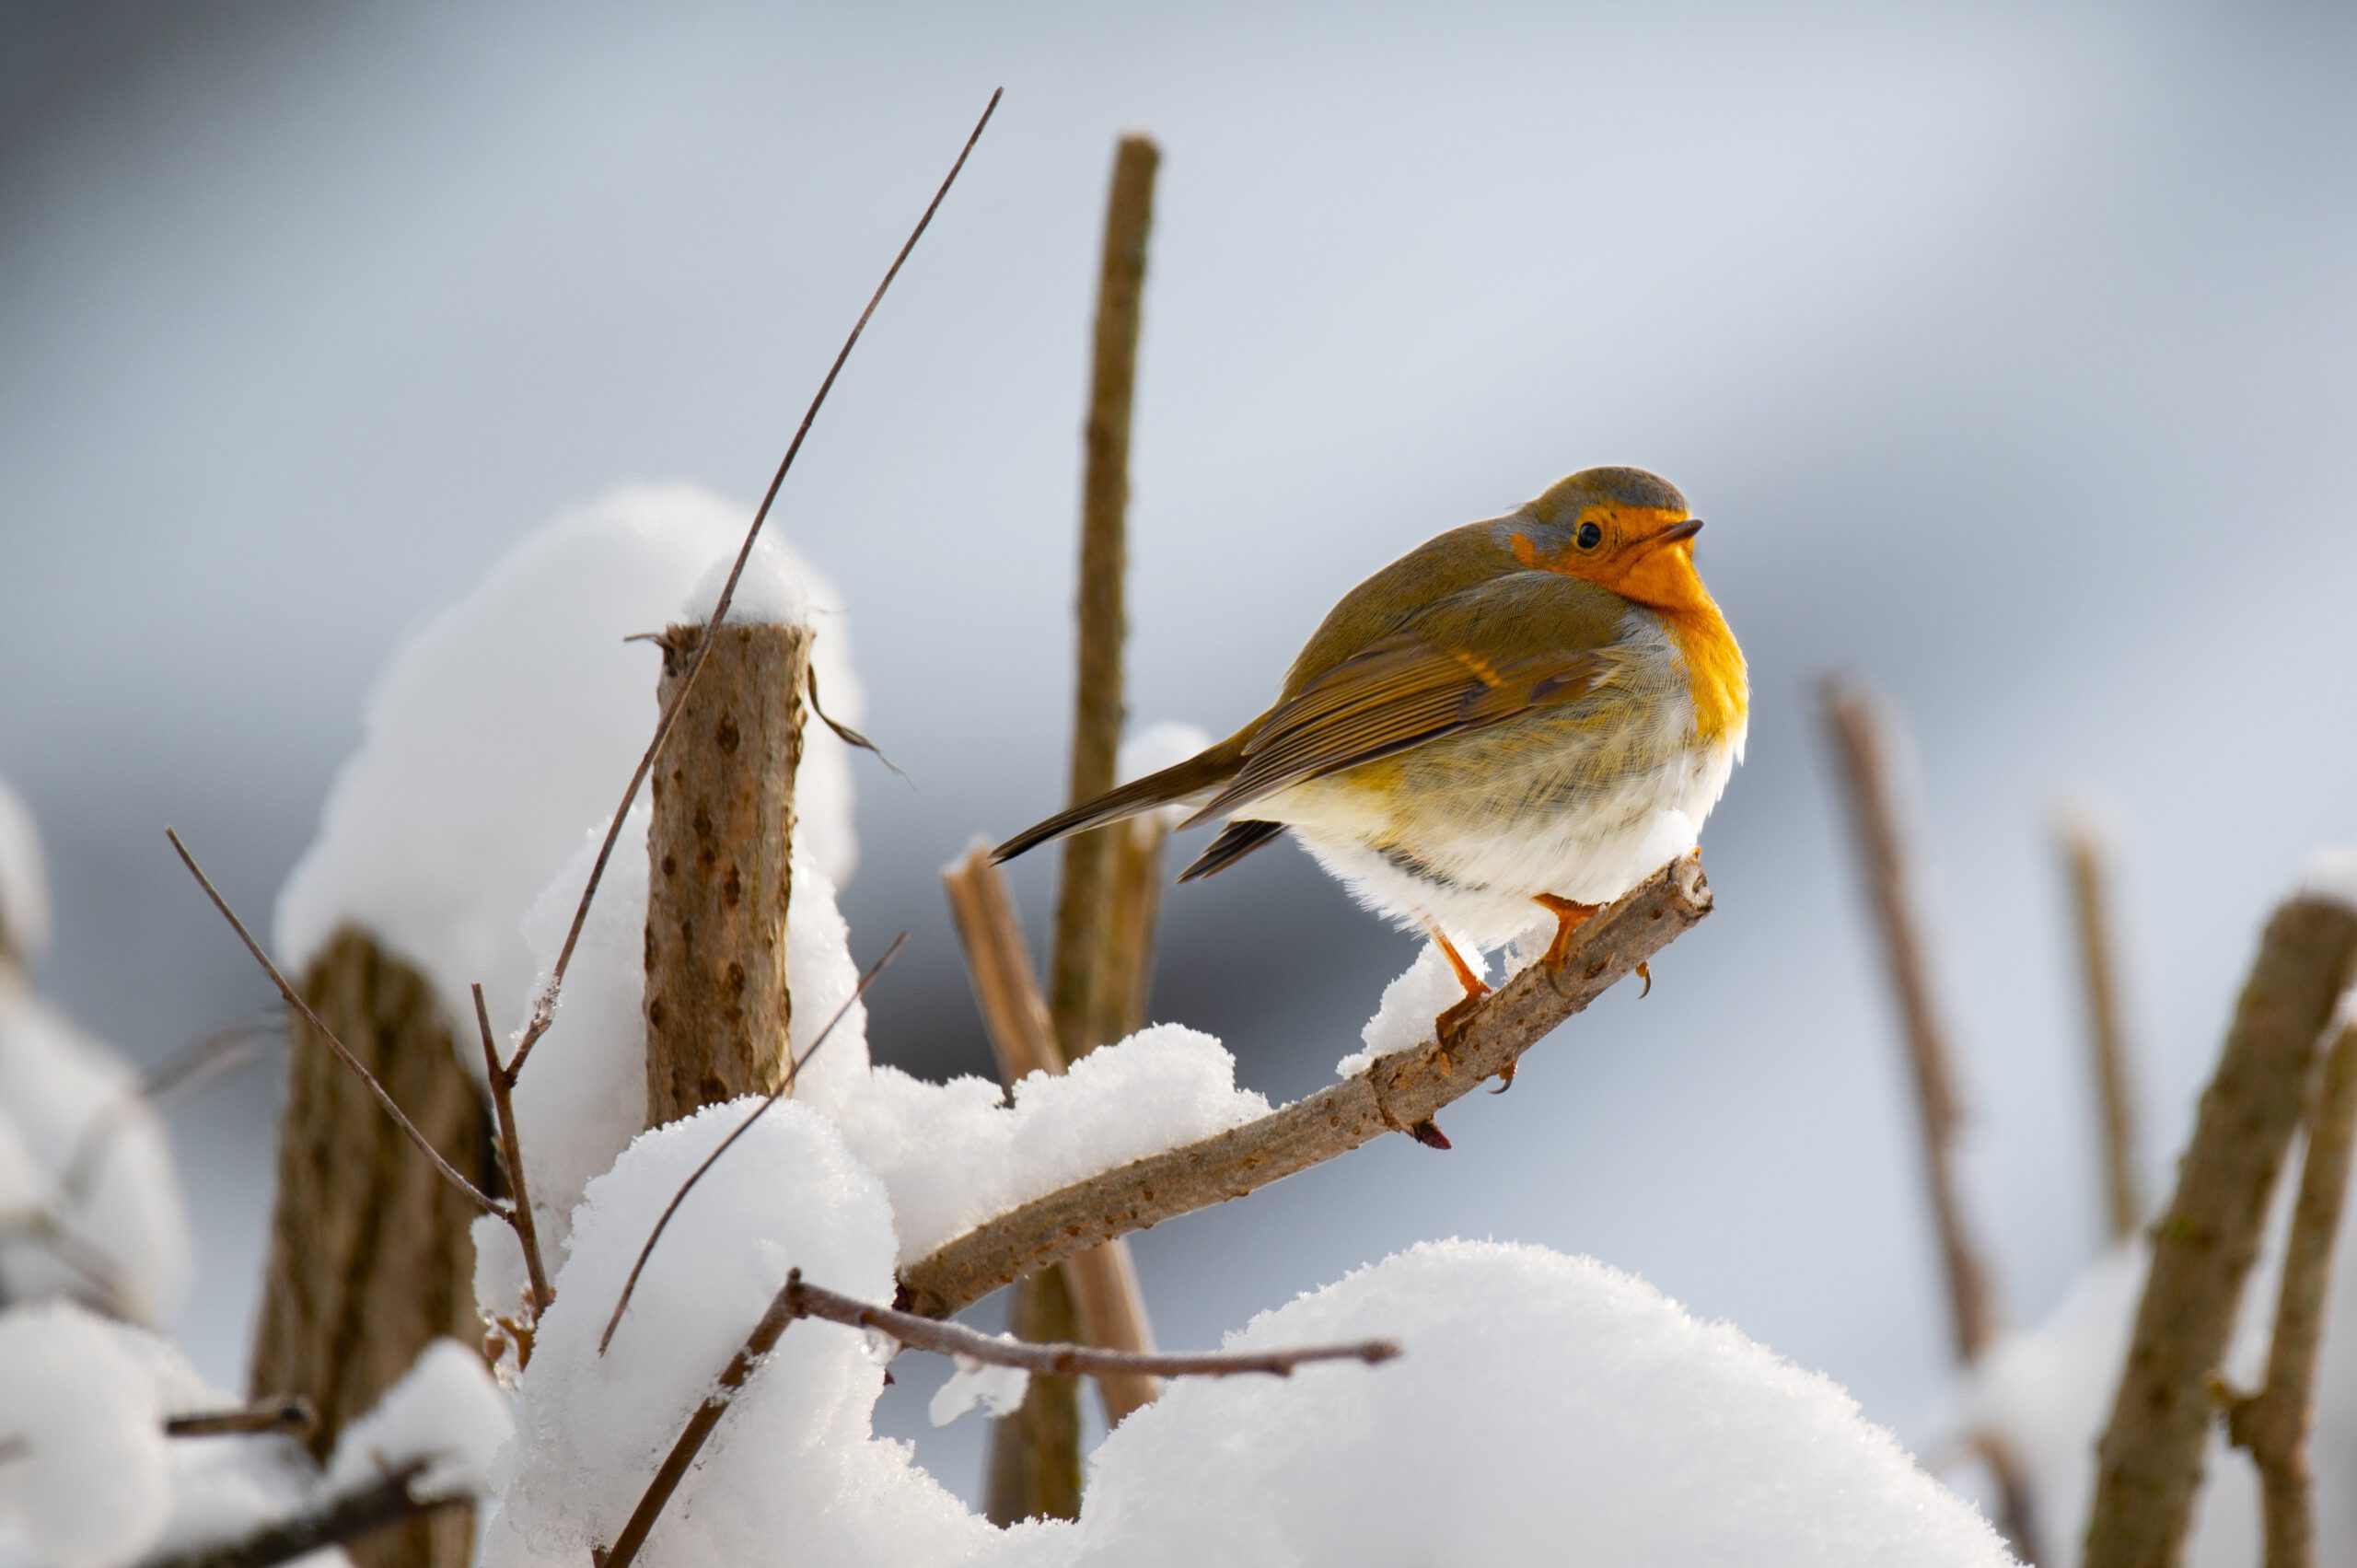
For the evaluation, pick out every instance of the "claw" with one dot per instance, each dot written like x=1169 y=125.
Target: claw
x=1647 y=976
x=1506 y=1077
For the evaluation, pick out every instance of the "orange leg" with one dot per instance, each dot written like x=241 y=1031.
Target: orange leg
x=1476 y=989
x=1569 y=917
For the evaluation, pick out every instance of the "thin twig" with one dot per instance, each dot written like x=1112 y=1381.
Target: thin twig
x=796 y=1299
x=794 y=1069
x=287 y=1414
x=2148 y=1463
x=100 y=1270
x=1398 y=1093
x=520 y=1218
x=383 y=1502
x=1109 y=1309
x=473 y=1194
x=193 y=1063
x=2084 y=860
x=2274 y=1423
x=544 y=1006
x=1069 y=1361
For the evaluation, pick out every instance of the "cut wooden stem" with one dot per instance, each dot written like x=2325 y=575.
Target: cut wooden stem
x=1108 y=1308
x=2274 y=1423
x=2149 y=1461
x=1864 y=740
x=719 y=855
x=283 y=1415
x=1396 y=1094
x=543 y=1011
x=2085 y=862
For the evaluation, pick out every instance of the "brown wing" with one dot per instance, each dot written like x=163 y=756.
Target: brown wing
x=1530 y=640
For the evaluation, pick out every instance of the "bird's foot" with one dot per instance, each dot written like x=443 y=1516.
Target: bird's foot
x=1570 y=915
x=1452 y=1019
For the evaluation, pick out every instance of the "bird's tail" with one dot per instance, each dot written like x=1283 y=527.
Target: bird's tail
x=1182 y=783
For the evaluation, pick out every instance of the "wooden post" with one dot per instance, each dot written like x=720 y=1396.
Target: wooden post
x=2148 y=1464
x=719 y=852
x=1035 y=1453
x=370 y=1259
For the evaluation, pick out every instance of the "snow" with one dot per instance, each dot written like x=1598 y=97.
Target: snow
x=793 y=1467
x=24 y=885
x=92 y=1487
x=503 y=730
x=2332 y=873
x=61 y=1092
x=1548 y=1409
x=1404 y=1017
x=998 y=1389
x=953 y=1156
x=445 y=1414
x=1155 y=748
x=769 y=594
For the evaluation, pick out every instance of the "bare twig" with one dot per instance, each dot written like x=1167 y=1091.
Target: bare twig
x=2083 y=858
x=1397 y=1093
x=1863 y=737
x=360 y=1512
x=2149 y=1461
x=192 y=1064
x=544 y=1006
x=796 y=1299
x=622 y=1302
x=472 y=1193
x=1108 y=1307
x=287 y=1414
x=511 y=1162
x=100 y=1270
x=2273 y=1424
x=953 y=1339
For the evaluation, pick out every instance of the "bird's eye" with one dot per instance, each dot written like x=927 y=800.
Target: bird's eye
x=1590 y=536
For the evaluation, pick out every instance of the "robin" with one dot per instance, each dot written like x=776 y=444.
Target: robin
x=1536 y=709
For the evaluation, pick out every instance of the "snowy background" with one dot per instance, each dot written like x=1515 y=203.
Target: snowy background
x=2006 y=348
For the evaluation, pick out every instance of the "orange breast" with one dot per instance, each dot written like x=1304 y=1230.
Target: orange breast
x=1715 y=664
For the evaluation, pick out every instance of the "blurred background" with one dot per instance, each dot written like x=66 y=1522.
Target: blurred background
x=2008 y=350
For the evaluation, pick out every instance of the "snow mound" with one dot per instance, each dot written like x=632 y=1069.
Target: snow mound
x=1404 y=1017
x=794 y=1466
x=2332 y=873
x=445 y=1415
x=503 y=729
x=92 y=1486
x=1548 y=1409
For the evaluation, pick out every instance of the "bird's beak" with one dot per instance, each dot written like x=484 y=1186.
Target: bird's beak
x=1676 y=532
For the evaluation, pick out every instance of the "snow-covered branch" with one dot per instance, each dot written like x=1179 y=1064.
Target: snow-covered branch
x=1398 y=1093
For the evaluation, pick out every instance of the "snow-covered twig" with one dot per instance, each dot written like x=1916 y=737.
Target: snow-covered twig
x=502 y=1079
x=796 y=1299
x=2084 y=859
x=2149 y=1461
x=543 y=1011
x=1108 y=1306
x=1397 y=1093
x=794 y=1069
x=344 y=1517
x=2274 y=1423
x=483 y=1201
x=191 y=1064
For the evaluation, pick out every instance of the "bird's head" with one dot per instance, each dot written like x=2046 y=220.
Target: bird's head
x=1620 y=528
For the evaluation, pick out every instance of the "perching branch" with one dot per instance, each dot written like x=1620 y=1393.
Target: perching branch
x=2149 y=1461
x=2084 y=859
x=793 y=1071
x=544 y=1006
x=1397 y=1093
x=511 y=1162
x=339 y=1519
x=475 y=1195
x=1108 y=1306
x=795 y=1299
x=2273 y=1424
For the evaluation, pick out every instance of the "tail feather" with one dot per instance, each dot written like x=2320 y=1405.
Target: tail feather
x=1236 y=840
x=1178 y=785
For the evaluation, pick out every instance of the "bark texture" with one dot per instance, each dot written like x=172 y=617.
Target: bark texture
x=719 y=853
x=370 y=1258
x=2148 y=1464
